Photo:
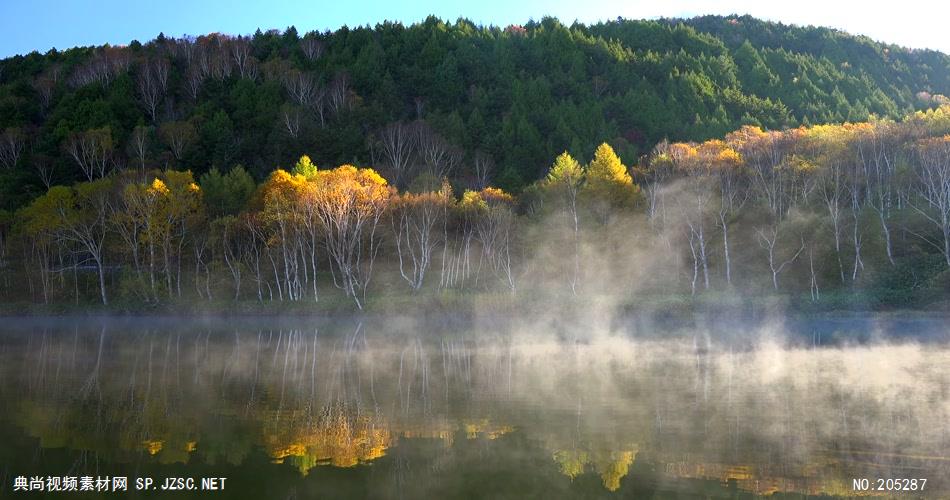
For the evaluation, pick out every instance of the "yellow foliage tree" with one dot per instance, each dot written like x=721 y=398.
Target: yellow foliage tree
x=608 y=186
x=349 y=203
x=79 y=215
x=489 y=215
x=179 y=210
x=564 y=181
x=279 y=198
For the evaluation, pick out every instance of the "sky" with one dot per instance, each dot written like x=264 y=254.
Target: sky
x=27 y=25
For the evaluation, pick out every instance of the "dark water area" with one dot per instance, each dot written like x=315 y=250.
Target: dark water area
x=390 y=407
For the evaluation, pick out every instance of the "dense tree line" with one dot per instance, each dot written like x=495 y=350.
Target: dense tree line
x=858 y=207
x=476 y=104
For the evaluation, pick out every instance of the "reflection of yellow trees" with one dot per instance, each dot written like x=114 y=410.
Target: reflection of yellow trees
x=337 y=439
x=433 y=430
x=153 y=446
x=612 y=466
x=571 y=462
x=341 y=439
x=475 y=428
x=169 y=453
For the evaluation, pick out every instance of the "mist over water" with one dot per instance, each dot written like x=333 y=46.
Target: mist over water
x=397 y=408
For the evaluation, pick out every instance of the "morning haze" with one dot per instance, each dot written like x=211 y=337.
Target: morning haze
x=671 y=258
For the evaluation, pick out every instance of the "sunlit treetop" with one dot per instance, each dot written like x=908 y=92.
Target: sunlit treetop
x=158 y=187
x=305 y=167
x=496 y=196
x=606 y=167
x=486 y=198
x=565 y=172
x=346 y=180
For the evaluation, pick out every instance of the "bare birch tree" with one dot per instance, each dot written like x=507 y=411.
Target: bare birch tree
x=416 y=219
x=92 y=151
x=933 y=189
x=395 y=144
x=177 y=136
x=311 y=46
x=438 y=156
x=152 y=84
x=12 y=142
x=139 y=144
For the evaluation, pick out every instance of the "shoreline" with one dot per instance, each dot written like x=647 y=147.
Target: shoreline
x=488 y=303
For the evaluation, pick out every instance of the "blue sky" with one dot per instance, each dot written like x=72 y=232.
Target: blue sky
x=27 y=25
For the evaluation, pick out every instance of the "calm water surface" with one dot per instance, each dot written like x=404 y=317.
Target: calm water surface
x=391 y=408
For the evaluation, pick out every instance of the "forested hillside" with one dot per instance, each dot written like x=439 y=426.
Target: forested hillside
x=479 y=105
x=853 y=215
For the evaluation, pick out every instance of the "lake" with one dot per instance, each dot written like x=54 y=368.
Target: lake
x=395 y=408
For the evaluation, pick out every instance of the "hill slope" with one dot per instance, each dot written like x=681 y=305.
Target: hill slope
x=512 y=97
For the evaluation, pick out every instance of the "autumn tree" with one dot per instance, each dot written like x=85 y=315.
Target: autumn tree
x=137 y=223
x=878 y=145
x=349 y=203
x=830 y=150
x=692 y=164
x=131 y=227
x=159 y=216
x=857 y=188
x=933 y=189
x=39 y=227
x=182 y=211
x=656 y=173
x=310 y=221
x=563 y=182
x=305 y=167
x=493 y=218
x=608 y=186
x=713 y=183
x=772 y=173
x=416 y=219
x=79 y=215
x=457 y=251
x=279 y=217
x=729 y=171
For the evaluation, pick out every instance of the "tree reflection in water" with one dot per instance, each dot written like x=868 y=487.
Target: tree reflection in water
x=430 y=412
